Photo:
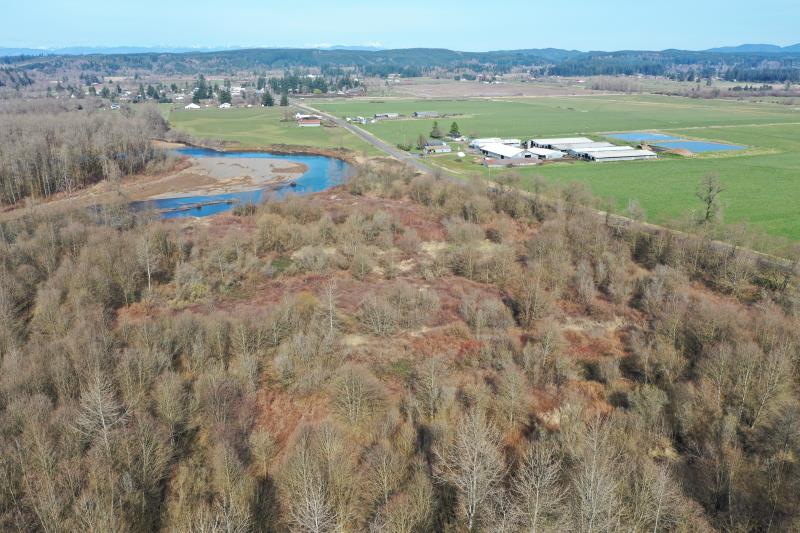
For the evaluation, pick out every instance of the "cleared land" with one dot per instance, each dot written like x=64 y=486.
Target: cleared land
x=762 y=183
x=260 y=127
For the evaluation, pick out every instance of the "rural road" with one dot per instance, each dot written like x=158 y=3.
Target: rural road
x=400 y=155
x=762 y=259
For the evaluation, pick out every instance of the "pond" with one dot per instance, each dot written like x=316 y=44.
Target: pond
x=699 y=147
x=638 y=136
x=322 y=173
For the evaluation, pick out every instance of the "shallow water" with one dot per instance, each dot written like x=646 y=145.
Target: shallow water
x=323 y=173
x=699 y=147
x=636 y=136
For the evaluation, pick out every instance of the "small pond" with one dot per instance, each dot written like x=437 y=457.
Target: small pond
x=699 y=147
x=638 y=136
x=322 y=173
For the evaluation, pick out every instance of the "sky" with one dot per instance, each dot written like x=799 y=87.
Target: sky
x=466 y=25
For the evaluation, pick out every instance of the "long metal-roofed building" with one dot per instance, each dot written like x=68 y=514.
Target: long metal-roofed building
x=545 y=154
x=579 y=149
x=504 y=151
x=631 y=154
x=478 y=143
x=552 y=144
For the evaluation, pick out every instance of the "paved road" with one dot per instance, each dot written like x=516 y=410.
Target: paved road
x=762 y=259
x=400 y=155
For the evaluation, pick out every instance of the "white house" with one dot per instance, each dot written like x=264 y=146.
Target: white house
x=435 y=146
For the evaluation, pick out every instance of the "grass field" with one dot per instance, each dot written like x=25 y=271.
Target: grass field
x=762 y=183
x=259 y=127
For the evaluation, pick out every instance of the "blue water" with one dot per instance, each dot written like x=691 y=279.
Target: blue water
x=323 y=173
x=699 y=147
x=636 y=136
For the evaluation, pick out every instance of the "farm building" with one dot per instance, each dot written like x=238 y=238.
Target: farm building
x=191 y=106
x=225 y=105
x=586 y=146
x=501 y=151
x=309 y=122
x=560 y=141
x=515 y=162
x=386 y=116
x=581 y=150
x=545 y=154
x=435 y=146
x=477 y=143
x=301 y=116
x=426 y=114
x=631 y=154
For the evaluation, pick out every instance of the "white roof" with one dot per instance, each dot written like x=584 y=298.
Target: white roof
x=593 y=145
x=544 y=152
x=591 y=149
x=488 y=140
x=192 y=106
x=502 y=150
x=564 y=140
x=622 y=153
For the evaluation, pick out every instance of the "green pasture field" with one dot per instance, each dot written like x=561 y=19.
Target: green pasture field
x=762 y=182
x=261 y=126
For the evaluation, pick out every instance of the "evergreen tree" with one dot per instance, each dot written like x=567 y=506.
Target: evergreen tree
x=105 y=93
x=436 y=133
x=267 y=100
x=284 y=99
x=454 y=131
x=224 y=97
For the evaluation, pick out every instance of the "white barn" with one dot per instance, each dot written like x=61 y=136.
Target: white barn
x=631 y=154
x=478 y=143
x=560 y=141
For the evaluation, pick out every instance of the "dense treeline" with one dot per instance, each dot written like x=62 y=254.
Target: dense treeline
x=763 y=74
x=751 y=66
x=682 y=65
x=47 y=147
x=406 y=357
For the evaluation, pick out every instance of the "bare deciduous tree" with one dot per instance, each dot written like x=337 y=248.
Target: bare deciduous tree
x=473 y=465
x=537 y=487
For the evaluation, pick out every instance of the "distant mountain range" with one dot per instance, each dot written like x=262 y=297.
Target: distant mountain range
x=114 y=50
x=553 y=54
x=756 y=48
x=110 y=50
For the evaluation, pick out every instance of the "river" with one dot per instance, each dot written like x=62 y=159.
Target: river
x=322 y=173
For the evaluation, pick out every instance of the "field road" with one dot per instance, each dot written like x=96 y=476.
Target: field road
x=400 y=155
